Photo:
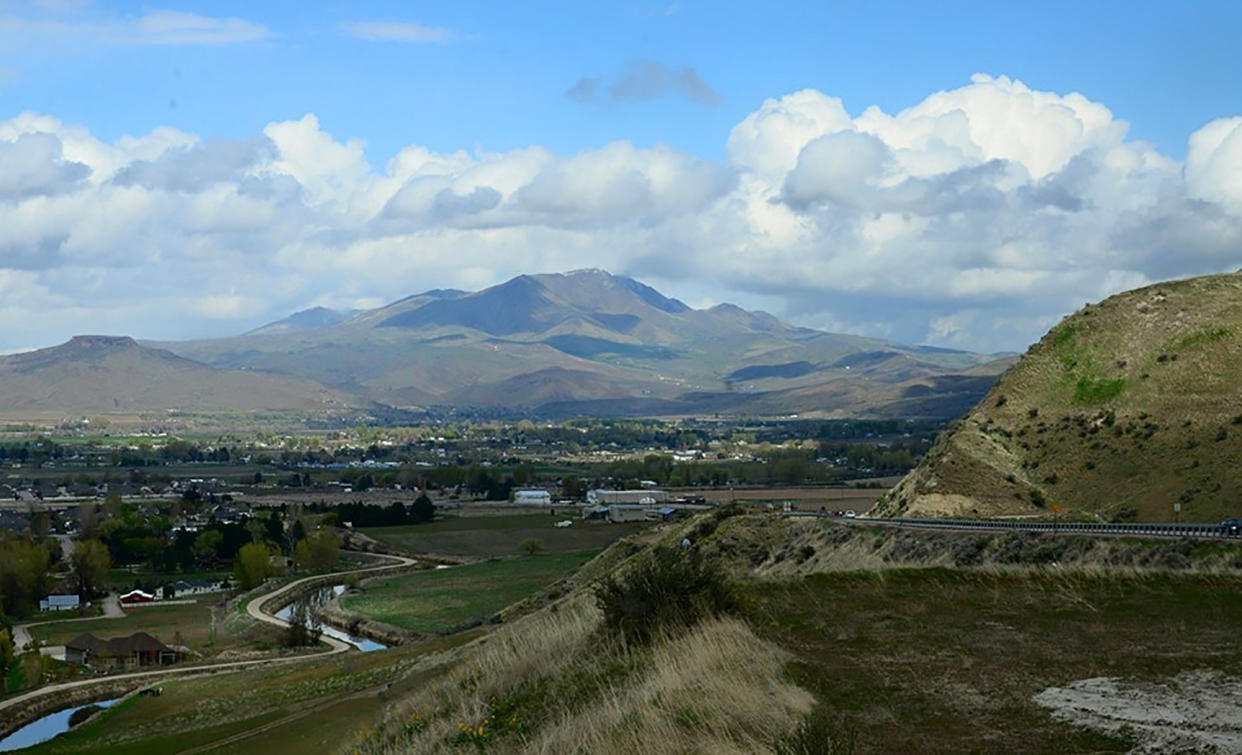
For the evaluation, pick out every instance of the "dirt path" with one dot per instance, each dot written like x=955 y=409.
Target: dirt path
x=254 y=608
x=112 y=607
x=1195 y=711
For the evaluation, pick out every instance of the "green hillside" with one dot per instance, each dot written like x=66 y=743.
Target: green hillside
x=1121 y=411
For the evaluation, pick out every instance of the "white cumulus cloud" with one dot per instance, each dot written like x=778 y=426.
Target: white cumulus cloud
x=974 y=218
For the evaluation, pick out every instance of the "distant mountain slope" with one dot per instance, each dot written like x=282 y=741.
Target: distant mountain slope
x=107 y=374
x=588 y=336
x=307 y=319
x=1124 y=409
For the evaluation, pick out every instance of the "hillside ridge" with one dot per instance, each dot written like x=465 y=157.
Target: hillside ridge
x=93 y=374
x=1129 y=408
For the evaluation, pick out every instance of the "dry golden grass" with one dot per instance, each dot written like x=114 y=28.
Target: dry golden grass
x=718 y=689
x=548 y=683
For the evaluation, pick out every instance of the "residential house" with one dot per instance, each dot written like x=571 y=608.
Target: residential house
x=60 y=603
x=136 y=650
x=136 y=596
x=230 y=513
x=186 y=587
x=14 y=521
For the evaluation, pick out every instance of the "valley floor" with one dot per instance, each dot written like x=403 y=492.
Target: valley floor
x=844 y=640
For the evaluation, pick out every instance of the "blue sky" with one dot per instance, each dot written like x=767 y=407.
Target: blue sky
x=961 y=174
x=499 y=79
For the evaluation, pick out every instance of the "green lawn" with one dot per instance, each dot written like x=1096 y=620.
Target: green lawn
x=443 y=599
x=192 y=622
x=937 y=660
x=498 y=536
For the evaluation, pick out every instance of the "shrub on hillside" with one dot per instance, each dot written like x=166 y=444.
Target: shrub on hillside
x=664 y=592
x=820 y=733
x=708 y=524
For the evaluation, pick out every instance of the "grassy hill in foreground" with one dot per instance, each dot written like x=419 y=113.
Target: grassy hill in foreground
x=1124 y=409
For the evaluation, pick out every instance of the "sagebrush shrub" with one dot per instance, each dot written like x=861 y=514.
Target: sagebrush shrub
x=670 y=589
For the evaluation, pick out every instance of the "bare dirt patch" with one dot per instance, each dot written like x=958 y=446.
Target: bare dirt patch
x=1196 y=711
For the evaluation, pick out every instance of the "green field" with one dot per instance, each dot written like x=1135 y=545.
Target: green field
x=192 y=622
x=443 y=599
x=937 y=660
x=498 y=536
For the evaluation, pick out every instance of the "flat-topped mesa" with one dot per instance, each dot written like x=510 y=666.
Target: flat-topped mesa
x=94 y=341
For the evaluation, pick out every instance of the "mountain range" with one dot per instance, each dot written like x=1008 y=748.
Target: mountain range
x=585 y=342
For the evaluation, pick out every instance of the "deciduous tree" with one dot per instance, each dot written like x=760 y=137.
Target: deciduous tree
x=325 y=548
x=91 y=562
x=207 y=545
x=252 y=565
x=302 y=554
x=7 y=651
x=24 y=575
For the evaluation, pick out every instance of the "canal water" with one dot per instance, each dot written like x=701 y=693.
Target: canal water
x=45 y=728
x=320 y=598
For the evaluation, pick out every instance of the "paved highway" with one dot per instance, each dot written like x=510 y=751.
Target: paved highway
x=1216 y=530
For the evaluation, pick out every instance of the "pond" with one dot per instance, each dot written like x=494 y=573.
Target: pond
x=45 y=728
x=319 y=598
